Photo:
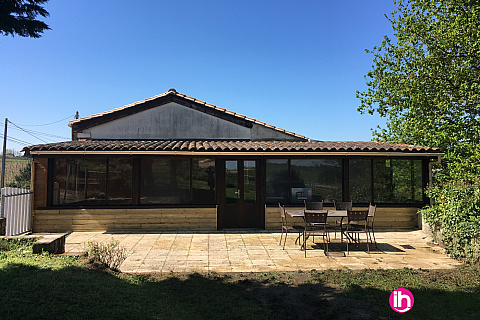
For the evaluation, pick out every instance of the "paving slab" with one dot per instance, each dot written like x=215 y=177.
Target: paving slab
x=259 y=251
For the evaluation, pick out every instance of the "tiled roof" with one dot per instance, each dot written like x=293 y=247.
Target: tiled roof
x=210 y=108
x=228 y=146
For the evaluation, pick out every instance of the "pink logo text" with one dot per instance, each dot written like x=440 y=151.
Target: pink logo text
x=401 y=300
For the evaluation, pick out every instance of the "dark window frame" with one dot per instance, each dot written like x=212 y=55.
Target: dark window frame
x=371 y=183
x=136 y=180
x=135 y=183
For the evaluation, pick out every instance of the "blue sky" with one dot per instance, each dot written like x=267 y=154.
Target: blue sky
x=293 y=64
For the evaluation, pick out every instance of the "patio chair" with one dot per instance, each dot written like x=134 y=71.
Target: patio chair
x=341 y=205
x=288 y=228
x=314 y=205
x=315 y=226
x=370 y=222
x=356 y=224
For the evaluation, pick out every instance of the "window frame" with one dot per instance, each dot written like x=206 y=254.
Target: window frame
x=346 y=179
x=135 y=183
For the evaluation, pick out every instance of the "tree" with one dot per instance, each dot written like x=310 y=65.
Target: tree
x=22 y=179
x=18 y=17
x=426 y=81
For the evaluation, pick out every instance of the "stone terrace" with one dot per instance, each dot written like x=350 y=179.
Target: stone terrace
x=244 y=251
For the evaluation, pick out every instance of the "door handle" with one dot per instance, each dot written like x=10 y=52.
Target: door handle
x=238 y=193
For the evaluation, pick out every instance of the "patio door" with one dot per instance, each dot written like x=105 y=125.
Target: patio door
x=242 y=207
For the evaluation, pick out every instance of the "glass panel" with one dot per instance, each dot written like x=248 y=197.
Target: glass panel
x=382 y=180
x=316 y=180
x=79 y=181
x=360 y=172
x=231 y=181
x=397 y=181
x=119 y=181
x=417 y=180
x=277 y=181
x=249 y=182
x=203 y=180
x=165 y=181
x=407 y=180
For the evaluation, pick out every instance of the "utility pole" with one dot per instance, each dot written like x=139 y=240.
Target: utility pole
x=2 y=183
x=4 y=153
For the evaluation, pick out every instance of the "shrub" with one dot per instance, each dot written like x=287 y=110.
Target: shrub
x=110 y=255
x=456 y=214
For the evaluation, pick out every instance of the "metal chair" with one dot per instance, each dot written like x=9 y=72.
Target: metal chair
x=315 y=226
x=370 y=222
x=314 y=205
x=341 y=205
x=356 y=224
x=286 y=227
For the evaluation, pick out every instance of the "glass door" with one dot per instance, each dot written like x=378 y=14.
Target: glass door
x=241 y=194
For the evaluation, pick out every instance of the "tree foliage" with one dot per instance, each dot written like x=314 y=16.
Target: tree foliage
x=426 y=81
x=19 y=17
x=22 y=179
x=456 y=215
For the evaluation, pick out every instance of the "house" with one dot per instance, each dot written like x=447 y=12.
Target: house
x=172 y=162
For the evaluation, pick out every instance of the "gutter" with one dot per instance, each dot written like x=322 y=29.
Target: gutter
x=242 y=153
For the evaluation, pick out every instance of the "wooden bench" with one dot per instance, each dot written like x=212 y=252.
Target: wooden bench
x=53 y=243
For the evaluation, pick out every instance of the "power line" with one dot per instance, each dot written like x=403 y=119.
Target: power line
x=27 y=132
x=43 y=134
x=46 y=124
x=15 y=140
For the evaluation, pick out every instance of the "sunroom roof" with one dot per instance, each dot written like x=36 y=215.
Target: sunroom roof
x=229 y=146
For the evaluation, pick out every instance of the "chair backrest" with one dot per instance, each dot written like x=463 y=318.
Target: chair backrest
x=320 y=217
x=371 y=211
x=314 y=205
x=281 y=210
x=357 y=215
x=345 y=205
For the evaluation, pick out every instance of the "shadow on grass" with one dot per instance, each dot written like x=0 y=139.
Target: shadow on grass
x=79 y=293
x=28 y=292
x=429 y=304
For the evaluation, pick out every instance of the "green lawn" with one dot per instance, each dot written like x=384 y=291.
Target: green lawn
x=56 y=287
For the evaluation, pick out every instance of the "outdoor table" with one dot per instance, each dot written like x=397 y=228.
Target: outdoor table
x=330 y=213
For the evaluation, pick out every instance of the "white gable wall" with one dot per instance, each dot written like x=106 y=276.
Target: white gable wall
x=174 y=121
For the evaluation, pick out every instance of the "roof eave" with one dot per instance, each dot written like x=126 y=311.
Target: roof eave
x=237 y=153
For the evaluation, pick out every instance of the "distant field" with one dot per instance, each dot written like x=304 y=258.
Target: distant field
x=13 y=167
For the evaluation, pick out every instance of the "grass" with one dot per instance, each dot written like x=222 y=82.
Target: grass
x=50 y=287
x=60 y=287
x=438 y=294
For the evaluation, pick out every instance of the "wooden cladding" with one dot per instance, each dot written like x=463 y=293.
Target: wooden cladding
x=385 y=218
x=164 y=219
x=39 y=182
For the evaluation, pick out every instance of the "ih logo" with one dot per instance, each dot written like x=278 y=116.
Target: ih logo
x=401 y=300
